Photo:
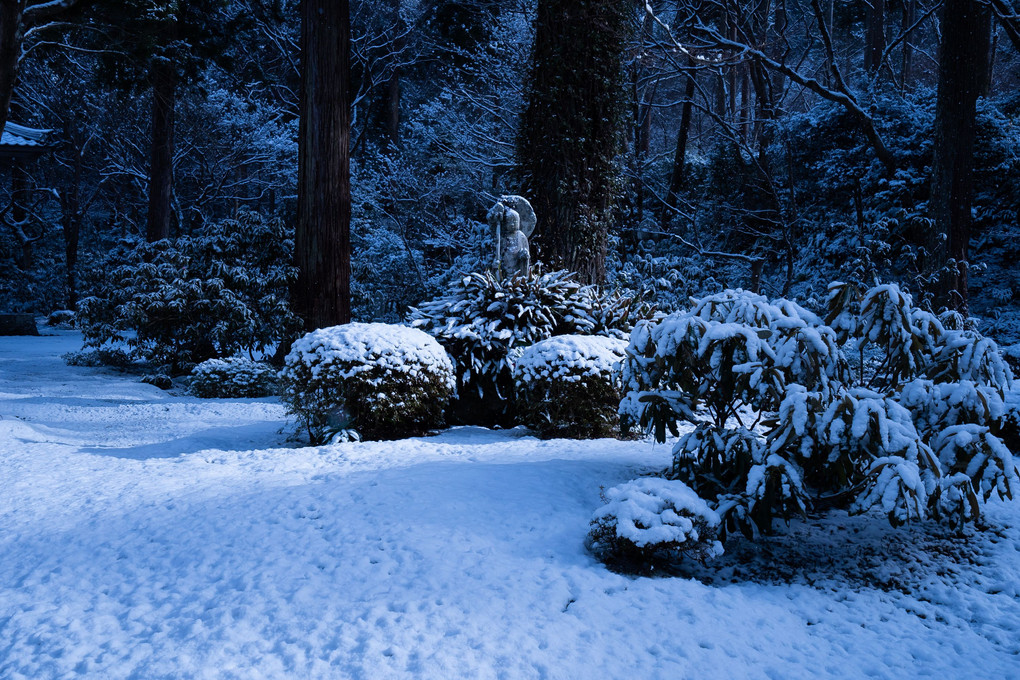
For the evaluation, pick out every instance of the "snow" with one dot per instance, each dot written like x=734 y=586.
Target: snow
x=145 y=534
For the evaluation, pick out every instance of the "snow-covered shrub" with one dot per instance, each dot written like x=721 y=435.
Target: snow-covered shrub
x=652 y=519
x=232 y=377
x=160 y=380
x=114 y=357
x=1008 y=425
x=482 y=320
x=380 y=380
x=977 y=464
x=967 y=355
x=568 y=385
x=1011 y=355
x=783 y=422
x=219 y=293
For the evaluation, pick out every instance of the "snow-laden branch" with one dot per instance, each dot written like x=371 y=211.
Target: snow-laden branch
x=45 y=10
x=1008 y=19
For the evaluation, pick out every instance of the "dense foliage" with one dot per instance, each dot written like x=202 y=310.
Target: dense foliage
x=569 y=385
x=216 y=294
x=483 y=322
x=769 y=169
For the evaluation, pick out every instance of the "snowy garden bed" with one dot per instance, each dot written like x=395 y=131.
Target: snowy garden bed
x=144 y=534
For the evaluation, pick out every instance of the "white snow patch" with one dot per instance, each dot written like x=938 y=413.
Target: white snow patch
x=147 y=535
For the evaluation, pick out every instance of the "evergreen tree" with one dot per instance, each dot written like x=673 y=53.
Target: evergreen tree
x=162 y=45
x=571 y=128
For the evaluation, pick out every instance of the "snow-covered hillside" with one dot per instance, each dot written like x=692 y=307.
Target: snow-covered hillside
x=145 y=535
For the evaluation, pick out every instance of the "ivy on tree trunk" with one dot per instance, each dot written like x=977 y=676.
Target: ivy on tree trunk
x=571 y=129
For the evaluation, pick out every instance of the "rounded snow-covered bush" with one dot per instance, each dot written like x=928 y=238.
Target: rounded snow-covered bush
x=568 y=385
x=380 y=380
x=232 y=377
x=651 y=519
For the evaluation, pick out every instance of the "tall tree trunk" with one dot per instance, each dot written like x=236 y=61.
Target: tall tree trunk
x=392 y=94
x=10 y=50
x=745 y=105
x=163 y=75
x=19 y=196
x=571 y=129
x=676 y=177
x=642 y=131
x=986 y=85
x=393 y=109
x=909 y=11
x=71 y=217
x=963 y=65
x=874 y=19
x=322 y=246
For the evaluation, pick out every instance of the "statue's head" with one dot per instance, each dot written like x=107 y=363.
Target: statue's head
x=511 y=221
x=523 y=208
x=504 y=217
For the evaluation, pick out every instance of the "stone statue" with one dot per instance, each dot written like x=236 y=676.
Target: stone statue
x=511 y=221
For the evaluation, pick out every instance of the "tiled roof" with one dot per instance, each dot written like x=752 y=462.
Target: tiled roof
x=19 y=135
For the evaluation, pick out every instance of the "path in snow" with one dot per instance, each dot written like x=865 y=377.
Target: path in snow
x=144 y=535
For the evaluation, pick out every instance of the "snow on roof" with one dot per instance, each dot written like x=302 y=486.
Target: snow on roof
x=19 y=135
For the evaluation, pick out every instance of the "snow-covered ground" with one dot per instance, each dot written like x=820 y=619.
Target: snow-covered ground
x=145 y=535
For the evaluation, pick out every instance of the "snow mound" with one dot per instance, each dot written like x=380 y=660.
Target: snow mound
x=570 y=358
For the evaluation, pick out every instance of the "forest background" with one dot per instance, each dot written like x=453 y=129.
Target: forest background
x=769 y=145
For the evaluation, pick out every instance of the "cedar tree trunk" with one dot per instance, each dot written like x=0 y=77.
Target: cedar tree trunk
x=163 y=75
x=676 y=178
x=963 y=61
x=322 y=246
x=571 y=130
x=10 y=49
